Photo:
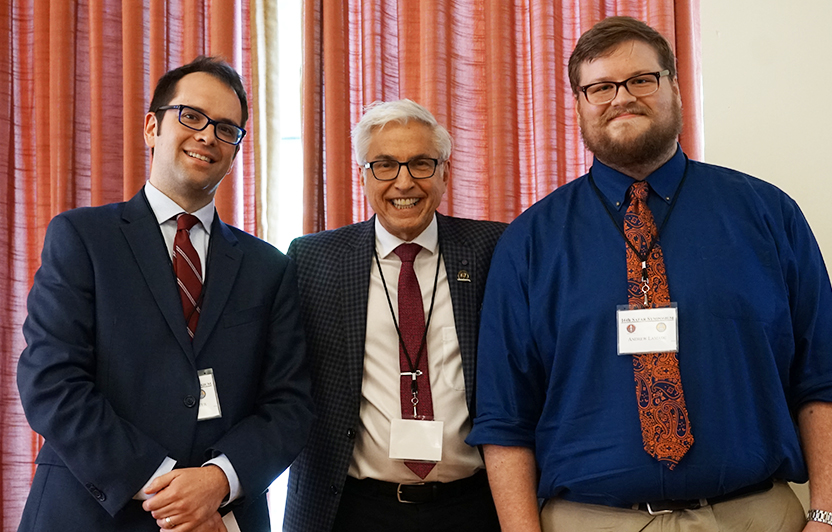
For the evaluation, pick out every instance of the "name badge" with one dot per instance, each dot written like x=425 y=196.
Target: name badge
x=209 y=401
x=648 y=330
x=414 y=439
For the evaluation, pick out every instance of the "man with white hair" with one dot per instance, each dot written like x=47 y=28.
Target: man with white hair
x=391 y=312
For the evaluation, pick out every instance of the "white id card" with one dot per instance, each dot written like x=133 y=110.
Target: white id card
x=230 y=522
x=414 y=439
x=648 y=330
x=209 y=401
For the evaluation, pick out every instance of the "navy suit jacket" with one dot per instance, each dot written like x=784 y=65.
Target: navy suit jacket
x=109 y=374
x=334 y=281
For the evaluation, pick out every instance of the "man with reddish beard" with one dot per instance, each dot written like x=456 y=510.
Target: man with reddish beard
x=656 y=340
x=165 y=402
x=366 y=467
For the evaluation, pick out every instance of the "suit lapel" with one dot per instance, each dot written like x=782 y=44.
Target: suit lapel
x=224 y=258
x=460 y=265
x=145 y=240
x=355 y=283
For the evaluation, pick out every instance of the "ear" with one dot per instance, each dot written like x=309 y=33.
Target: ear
x=446 y=172
x=674 y=86
x=151 y=126
x=231 y=166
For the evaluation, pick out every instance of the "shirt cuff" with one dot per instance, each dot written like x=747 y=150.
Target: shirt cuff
x=234 y=489
x=165 y=468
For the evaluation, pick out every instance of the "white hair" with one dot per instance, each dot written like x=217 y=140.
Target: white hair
x=379 y=114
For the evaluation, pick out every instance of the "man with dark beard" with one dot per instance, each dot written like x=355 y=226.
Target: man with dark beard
x=699 y=288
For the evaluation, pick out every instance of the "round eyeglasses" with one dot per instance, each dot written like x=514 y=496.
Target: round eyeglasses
x=388 y=169
x=197 y=120
x=639 y=86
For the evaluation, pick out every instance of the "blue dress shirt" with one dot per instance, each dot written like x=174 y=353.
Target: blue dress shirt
x=755 y=336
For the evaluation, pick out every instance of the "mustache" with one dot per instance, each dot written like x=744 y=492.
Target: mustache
x=632 y=109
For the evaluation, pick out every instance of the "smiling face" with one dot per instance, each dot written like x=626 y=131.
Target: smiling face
x=630 y=133
x=189 y=165
x=405 y=206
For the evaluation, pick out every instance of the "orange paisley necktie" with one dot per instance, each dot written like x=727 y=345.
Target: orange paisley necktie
x=665 y=427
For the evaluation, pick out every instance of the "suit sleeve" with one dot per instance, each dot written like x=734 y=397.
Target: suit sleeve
x=109 y=456
x=265 y=443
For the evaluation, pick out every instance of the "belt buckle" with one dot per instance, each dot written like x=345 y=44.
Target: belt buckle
x=651 y=511
x=399 y=492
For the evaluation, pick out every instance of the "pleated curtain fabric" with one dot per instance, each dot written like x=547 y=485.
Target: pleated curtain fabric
x=493 y=72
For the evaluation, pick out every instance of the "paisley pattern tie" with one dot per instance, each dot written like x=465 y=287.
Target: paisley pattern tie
x=665 y=427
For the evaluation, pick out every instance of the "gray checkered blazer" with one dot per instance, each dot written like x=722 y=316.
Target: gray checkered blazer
x=334 y=279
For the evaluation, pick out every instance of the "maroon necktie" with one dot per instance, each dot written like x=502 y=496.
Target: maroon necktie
x=188 y=270
x=665 y=426
x=412 y=329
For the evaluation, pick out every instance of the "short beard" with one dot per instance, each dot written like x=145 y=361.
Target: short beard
x=643 y=151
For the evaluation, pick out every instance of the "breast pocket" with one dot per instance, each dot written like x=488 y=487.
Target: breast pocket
x=452 y=360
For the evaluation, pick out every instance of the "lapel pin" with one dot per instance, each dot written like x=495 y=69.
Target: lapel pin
x=463 y=277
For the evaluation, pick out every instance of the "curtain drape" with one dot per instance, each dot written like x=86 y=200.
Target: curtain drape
x=76 y=79
x=493 y=71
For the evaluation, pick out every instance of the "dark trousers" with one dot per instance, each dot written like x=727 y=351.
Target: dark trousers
x=362 y=510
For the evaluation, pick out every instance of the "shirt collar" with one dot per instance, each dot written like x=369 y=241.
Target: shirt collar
x=664 y=181
x=386 y=242
x=165 y=208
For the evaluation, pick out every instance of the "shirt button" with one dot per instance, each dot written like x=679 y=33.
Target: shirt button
x=189 y=401
x=351 y=434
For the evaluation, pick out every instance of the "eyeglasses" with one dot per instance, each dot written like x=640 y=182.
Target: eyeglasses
x=639 y=86
x=196 y=120
x=388 y=169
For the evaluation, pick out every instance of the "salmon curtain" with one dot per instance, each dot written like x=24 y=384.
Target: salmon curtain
x=76 y=78
x=494 y=72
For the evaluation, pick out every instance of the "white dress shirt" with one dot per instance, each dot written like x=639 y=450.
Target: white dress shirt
x=380 y=391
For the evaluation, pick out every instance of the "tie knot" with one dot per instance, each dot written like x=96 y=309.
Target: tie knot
x=186 y=221
x=639 y=190
x=408 y=252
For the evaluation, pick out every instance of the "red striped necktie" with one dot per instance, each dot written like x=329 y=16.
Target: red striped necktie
x=188 y=270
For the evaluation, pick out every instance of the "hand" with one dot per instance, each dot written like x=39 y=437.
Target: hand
x=189 y=497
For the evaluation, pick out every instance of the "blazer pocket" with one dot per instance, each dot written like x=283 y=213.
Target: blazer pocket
x=242 y=317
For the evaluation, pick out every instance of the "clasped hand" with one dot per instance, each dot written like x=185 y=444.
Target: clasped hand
x=187 y=499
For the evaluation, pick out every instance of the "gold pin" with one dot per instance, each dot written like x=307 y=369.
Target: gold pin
x=463 y=277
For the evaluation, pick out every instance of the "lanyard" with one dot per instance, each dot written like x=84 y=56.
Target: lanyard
x=642 y=257
x=414 y=372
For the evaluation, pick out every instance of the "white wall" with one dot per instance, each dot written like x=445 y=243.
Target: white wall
x=767 y=77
